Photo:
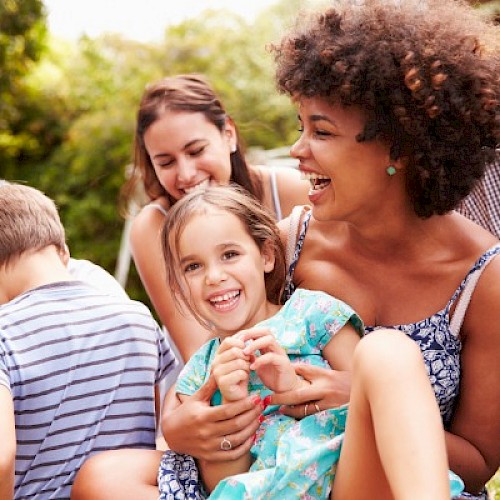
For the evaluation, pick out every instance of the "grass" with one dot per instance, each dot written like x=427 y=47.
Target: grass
x=494 y=486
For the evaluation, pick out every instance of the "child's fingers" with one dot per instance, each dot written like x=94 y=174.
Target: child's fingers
x=221 y=369
x=230 y=354
x=266 y=343
x=252 y=333
x=231 y=342
x=234 y=385
x=270 y=359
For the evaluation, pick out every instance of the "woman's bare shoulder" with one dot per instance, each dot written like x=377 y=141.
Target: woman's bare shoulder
x=149 y=220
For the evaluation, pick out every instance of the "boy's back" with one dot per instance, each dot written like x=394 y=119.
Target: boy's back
x=81 y=367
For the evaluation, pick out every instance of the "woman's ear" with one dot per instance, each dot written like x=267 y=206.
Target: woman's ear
x=268 y=256
x=231 y=135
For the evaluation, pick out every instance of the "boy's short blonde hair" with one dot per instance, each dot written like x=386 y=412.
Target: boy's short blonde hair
x=29 y=221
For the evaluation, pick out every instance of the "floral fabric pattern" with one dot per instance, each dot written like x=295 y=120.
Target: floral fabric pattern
x=292 y=459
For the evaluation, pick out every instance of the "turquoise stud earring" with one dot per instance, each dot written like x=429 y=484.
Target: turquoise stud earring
x=391 y=170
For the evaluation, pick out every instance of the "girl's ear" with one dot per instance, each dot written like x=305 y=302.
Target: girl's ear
x=268 y=256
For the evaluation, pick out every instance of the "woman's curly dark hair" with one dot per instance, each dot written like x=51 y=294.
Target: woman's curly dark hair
x=425 y=71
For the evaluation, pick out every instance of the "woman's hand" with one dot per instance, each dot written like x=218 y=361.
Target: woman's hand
x=195 y=428
x=327 y=389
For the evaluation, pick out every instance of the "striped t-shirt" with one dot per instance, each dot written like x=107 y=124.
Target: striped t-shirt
x=81 y=367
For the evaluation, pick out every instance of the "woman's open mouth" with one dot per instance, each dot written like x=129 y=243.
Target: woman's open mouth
x=317 y=181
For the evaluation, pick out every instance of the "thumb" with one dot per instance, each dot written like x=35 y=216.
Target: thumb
x=207 y=390
x=307 y=371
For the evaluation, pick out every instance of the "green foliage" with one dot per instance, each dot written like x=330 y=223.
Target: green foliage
x=22 y=38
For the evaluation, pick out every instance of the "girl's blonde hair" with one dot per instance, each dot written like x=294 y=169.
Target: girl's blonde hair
x=259 y=222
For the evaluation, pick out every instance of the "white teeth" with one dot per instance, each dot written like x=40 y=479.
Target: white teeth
x=317 y=181
x=312 y=176
x=201 y=185
x=226 y=296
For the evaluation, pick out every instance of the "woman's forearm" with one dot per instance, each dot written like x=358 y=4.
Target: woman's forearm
x=213 y=472
x=467 y=461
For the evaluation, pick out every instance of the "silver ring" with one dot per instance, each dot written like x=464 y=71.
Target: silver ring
x=317 y=407
x=305 y=409
x=225 y=444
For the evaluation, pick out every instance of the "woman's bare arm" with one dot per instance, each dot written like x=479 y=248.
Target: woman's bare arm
x=474 y=435
x=185 y=331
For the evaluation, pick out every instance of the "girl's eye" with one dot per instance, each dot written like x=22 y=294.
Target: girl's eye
x=191 y=267
x=229 y=255
x=300 y=129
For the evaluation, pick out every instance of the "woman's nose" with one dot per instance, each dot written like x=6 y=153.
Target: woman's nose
x=300 y=147
x=186 y=170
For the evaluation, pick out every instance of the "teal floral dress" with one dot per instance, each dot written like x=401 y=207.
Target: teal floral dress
x=292 y=459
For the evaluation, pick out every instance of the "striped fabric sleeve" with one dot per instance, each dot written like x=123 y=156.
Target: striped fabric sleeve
x=483 y=204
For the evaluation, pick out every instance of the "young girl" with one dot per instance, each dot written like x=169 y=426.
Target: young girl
x=225 y=262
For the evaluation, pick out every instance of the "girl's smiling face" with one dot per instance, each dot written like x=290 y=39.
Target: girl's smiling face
x=189 y=152
x=223 y=269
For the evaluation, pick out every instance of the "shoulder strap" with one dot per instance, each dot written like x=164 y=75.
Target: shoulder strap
x=465 y=298
x=156 y=206
x=293 y=232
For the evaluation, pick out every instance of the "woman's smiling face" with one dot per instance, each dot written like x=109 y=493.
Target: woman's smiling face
x=346 y=176
x=189 y=152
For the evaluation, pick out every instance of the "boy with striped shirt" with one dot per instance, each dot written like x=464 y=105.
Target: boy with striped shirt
x=78 y=368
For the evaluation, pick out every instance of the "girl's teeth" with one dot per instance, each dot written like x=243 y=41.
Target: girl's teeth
x=226 y=296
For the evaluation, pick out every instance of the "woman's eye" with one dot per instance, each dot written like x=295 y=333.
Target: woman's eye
x=166 y=164
x=322 y=133
x=198 y=151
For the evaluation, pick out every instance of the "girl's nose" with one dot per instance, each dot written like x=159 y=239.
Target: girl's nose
x=215 y=274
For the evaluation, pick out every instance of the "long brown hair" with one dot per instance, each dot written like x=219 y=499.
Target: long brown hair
x=193 y=94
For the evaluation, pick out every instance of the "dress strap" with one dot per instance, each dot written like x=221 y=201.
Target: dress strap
x=275 y=193
x=295 y=241
x=156 y=206
x=467 y=288
x=293 y=233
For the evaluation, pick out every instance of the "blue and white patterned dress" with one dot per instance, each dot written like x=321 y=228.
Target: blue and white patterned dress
x=439 y=342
